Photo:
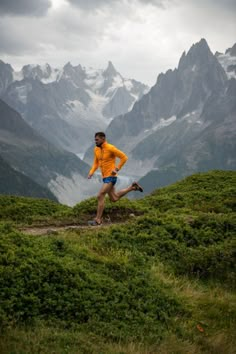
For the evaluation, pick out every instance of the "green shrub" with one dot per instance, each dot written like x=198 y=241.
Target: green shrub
x=48 y=279
x=99 y=280
x=25 y=210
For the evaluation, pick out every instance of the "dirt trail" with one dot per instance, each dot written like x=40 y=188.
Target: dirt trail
x=50 y=230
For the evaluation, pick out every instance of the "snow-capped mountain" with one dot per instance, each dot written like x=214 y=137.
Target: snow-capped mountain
x=68 y=105
x=185 y=123
x=29 y=157
x=178 y=93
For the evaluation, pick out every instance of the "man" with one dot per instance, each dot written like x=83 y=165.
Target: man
x=105 y=157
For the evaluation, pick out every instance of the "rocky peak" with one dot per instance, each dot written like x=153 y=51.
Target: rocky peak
x=231 y=51
x=68 y=69
x=75 y=73
x=79 y=68
x=47 y=69
x=199 y=54
x=6 y=76
x=36 y=71
x=5 y=66
x=200 y=69
x=110 y=70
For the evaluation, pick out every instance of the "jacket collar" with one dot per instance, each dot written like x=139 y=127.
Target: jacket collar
x=103 y=145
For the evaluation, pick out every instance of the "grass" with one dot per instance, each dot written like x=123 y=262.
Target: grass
x=162 y=282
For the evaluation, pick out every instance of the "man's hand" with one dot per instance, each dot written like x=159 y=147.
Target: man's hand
x=90 y=176
x=114 y=172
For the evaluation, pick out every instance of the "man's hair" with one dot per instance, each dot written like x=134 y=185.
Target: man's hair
x=100 y=134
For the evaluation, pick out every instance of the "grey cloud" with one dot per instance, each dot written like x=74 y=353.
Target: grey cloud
x=15 y=42
x=158 y=3
x=229 y=5
x=95 y=4
x=92 y=4
x=10 y=46
x=24 y=7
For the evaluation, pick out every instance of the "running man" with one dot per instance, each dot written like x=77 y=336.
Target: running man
x=105 y=156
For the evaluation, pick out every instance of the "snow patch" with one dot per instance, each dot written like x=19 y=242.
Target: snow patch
x=189 y=114
x=132 y=104
x=161 y=124
x=128 y=84
x=94 y=79
x=193 y=117
x=71 y=191
x=80 y=155
x=164 y=123
x=117 y=81
x=17 y=75
x=226 y=60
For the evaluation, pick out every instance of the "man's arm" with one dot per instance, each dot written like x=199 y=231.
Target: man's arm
x=94 y=167
x=121 y=155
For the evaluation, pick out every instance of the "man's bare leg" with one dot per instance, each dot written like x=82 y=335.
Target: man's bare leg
x=115 y=196
x=106 y=188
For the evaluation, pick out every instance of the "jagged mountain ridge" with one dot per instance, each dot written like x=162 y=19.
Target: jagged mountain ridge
x=176 y=93
x=185 y=123
x=68 y=105
x=212 y=147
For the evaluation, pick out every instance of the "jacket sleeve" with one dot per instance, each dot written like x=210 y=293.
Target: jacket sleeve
x=121 y=155
x=95 y=164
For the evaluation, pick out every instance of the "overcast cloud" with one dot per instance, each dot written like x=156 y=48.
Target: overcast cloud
x=141 y=37
x=95 y=4
x=24 y=7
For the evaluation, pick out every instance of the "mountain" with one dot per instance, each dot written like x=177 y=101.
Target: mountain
x=6 y=76
x=228 y=61
x=67 y=106
x=184 y=124
x=51 y=167
x=13 y=182
x=175 y=94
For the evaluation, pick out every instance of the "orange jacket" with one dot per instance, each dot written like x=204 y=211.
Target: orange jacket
x=105 y=158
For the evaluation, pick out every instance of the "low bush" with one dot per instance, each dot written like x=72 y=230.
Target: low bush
x=46 y=278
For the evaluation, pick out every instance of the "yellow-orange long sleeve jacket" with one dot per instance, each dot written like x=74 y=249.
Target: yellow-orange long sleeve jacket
x=105 y=158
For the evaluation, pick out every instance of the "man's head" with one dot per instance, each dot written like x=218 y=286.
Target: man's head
x=100 y=137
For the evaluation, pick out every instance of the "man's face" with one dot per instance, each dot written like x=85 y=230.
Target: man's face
x=99 y=140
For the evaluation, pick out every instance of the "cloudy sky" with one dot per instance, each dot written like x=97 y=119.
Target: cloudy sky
x=141 y=37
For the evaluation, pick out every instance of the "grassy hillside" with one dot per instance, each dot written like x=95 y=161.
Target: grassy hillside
x=162 y=281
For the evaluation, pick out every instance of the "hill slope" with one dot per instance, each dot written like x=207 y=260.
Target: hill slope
x=163 y=282
x=13 y=182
